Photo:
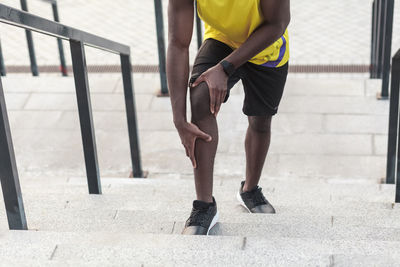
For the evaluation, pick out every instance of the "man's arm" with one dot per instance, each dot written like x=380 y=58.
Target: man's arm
x=180 y=28
x=276 y=19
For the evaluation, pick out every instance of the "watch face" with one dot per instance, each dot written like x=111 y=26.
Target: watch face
x=228 y=67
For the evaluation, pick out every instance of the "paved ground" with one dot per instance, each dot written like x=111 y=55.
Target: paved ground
x=322 y=32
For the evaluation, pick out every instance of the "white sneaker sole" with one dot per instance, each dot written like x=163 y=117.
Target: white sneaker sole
x=239 y=198
x=213 y=222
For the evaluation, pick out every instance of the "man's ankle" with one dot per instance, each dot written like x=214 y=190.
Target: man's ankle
x=206 y=199
x=247 y=188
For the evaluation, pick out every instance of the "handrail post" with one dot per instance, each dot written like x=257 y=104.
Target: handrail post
x=63 y=66
x=393 y=120
x=387 y=47
x=9 y=174
x=161 y=47
x=2 y=65
x=397 y=199
x=380 y=38
x=126 y=68
x=374 y=16
x=198 y=27
x=85 y=116
x=31 y=48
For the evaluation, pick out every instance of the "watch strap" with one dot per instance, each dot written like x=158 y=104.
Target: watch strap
x=228 y=67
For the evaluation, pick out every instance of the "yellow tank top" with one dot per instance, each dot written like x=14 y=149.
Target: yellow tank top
x=233 y=21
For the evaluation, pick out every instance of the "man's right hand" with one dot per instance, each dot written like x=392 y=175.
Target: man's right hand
x=188 y=133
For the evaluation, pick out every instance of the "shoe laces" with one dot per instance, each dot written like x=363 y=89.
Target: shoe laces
x=198 y=217
x=258 y=197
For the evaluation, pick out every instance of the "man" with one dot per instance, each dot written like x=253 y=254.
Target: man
x=244 y=39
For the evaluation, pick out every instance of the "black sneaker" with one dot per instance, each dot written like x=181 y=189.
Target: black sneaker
x=254 y=200
x=202 y=218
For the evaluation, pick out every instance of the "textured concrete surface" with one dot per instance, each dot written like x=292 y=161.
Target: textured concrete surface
x=320 y=222
x=300 y=191
x=177 y=250
x=169 y=200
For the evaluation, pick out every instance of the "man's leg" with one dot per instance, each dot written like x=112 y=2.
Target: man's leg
x=263 y=87
x=257 y=142
x=204 y=151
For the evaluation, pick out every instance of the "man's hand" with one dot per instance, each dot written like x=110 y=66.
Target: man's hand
x=188 y=133
x=217 y=82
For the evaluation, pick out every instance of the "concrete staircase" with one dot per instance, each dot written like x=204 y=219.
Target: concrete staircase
x=326 y=127
x=323 y=172
x=137 y=222
x=323 y=176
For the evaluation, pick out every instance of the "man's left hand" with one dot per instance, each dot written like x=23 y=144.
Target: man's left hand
x=217 y=82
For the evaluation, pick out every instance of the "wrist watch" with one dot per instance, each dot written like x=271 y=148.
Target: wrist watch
x=228 y=67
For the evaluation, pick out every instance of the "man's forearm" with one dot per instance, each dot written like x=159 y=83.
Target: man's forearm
x=276 y=15
x=261 y=38
x=177 y=74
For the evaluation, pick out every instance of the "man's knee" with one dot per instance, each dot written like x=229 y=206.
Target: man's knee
x=200 y=102
x=261 y=124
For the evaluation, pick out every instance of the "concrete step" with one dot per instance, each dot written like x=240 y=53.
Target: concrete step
x=318 y=228
x=280 y=193
x=291 y=199
x=307 y=231
x=196 y=257
x=124 y=202
x=225 y=201
x=172 y=250
x=339 y=222
x=185 y=187
x=390 y=221
x=275 y=195
x=239 y=260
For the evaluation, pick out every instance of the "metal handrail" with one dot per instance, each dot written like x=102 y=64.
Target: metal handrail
x=35 y=23
x=29 y=41
x=393 y=159
x=2 y=67
x=161 y=47
x=56 y=17
x=31 y=48
x=381 y=43
x=77 y=39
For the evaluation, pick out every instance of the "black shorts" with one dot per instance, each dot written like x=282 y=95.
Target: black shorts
x=263 y=86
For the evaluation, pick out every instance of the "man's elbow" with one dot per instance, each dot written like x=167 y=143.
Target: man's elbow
x=280 y=26
x=283 y=24
x=176 y=43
